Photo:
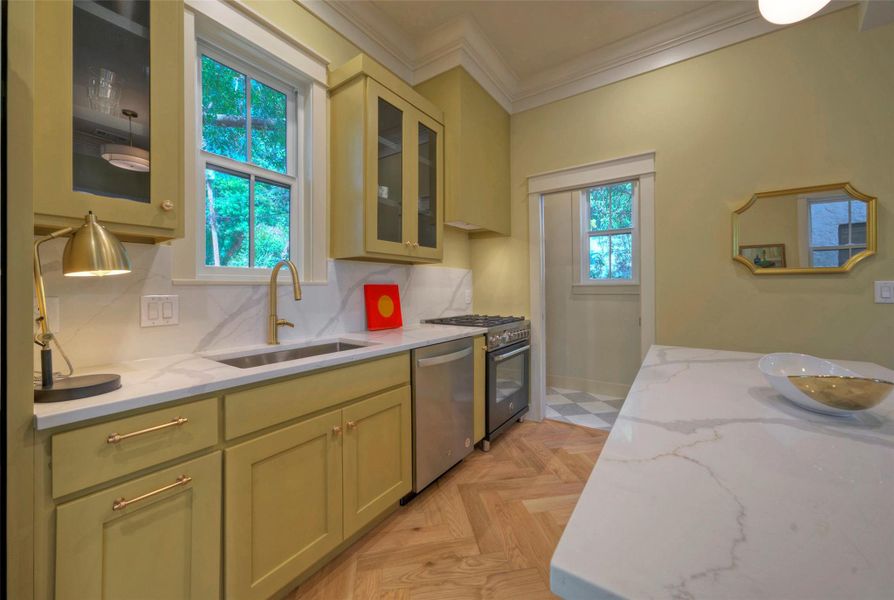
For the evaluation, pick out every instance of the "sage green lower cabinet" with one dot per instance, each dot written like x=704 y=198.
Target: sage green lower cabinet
x=161 y=545
x=378 y=459
x=283 y=505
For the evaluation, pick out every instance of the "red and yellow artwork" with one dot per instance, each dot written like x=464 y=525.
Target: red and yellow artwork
x=382 y=306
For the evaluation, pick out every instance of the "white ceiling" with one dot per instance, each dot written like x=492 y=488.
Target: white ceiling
x=526 y=53
x=535 y=35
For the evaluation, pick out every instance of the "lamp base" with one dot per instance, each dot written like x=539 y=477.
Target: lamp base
x=82 y=386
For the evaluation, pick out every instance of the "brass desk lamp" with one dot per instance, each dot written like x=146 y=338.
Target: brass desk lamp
x=90 y=252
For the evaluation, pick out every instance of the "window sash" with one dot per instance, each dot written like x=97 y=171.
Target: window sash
x=850 y=228
x=586 y=233
x=295 y=102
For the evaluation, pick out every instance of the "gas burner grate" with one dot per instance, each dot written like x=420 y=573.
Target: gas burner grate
x=476 y=320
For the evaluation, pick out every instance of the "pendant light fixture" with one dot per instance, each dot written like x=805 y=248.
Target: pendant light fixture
x=785 y=12
x=129 y=157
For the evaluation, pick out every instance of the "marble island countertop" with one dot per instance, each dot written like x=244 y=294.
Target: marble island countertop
x=711 y=485
x=152 y=381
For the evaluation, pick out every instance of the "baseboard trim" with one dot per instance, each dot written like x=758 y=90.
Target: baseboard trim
x=588 y=385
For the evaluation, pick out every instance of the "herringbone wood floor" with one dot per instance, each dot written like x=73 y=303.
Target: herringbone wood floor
x=487 y=529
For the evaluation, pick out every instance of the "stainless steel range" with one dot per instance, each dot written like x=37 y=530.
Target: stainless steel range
x=508 y=369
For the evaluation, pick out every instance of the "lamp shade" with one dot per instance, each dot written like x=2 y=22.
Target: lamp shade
x=784 y=12
x=92 y=251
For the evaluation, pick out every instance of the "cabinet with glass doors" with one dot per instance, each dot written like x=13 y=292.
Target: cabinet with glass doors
x=387 y=163
x=108 y=114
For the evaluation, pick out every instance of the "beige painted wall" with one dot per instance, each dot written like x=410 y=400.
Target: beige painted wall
x=297 y=22
x=592 y=340
x=807 y=105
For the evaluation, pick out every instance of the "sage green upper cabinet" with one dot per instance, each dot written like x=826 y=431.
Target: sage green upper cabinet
x=477 y=152
x=108 y=114
x=387 y=167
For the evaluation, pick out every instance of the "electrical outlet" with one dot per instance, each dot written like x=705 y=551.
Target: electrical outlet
x=884 y=292
x=156 y=311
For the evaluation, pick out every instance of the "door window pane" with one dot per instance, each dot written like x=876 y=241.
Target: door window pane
x=428 y=195
x=271 y=223
x=223 y=110
x=621 y=205
x=621 y=256
x=390 y=173
x=110 y=99
x=226 y=219
x=268 y=127
x=599 y=257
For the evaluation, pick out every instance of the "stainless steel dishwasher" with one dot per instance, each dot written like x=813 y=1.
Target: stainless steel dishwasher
x=443 y=386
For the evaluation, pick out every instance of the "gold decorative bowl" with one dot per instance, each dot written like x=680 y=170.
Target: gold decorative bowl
x=843 y=392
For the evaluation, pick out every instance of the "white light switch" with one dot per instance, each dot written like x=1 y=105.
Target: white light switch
x=159 y=310
x=884 y=292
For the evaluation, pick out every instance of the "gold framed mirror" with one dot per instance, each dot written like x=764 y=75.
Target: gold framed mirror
x=819 y=229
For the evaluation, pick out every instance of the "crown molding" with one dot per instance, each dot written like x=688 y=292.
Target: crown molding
x=462 y=43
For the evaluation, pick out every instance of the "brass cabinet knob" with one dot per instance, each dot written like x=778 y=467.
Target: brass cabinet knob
x=415 y=244
x=351 y=425
x=408 y=243
x=167 y=206
x=337 y=430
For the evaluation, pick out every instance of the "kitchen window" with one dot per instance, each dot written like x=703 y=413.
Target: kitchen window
x=256 y=152
x=836 y=230
x=248 y=157
x=606 y=236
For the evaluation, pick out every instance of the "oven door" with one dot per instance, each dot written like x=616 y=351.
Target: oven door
x=508 y=383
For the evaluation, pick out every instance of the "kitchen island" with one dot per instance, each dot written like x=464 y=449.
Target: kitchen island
x=712 y=485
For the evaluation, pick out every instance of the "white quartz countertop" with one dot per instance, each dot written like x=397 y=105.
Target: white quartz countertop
x=157 y=380
x=711 y=485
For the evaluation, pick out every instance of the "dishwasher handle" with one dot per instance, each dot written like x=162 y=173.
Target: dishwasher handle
x=444 y=358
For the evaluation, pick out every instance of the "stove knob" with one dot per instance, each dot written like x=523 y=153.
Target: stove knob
x=505 y=337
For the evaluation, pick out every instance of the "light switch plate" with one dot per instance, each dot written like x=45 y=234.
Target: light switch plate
x=156 y=311
x=468 y=297
x=884 y=292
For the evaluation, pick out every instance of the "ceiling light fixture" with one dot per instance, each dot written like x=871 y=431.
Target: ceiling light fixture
x=785 y=12
x=129 y=157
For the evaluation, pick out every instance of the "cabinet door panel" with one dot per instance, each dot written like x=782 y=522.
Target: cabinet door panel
x=283 y=505
x=389 y=160
x=478 y=399
x=90 y=66
x=378 y=456
x=165 y=545
x=427 y=185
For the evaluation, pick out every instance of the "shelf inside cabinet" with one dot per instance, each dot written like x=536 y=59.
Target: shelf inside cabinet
x=101 y=10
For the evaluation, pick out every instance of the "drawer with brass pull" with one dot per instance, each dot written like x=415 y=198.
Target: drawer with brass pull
x=97 y=453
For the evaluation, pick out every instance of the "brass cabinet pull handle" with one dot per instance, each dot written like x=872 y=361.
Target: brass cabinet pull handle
x=121 y=503
x=408 y=243
x=415 y=244
x=167 y=205
x=117 y=437
x=351 y=425
x=337 y=430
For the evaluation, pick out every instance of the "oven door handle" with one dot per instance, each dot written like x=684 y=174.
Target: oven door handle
x=444 y=358
x=509 y=355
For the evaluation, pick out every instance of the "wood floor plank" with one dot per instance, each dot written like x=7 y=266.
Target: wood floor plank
x=485 y=530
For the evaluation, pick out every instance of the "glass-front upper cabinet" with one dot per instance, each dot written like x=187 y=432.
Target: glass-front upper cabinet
x=387 y=167
x=109 y=115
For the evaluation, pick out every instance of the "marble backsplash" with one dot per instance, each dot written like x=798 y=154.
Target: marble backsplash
x=99 y=318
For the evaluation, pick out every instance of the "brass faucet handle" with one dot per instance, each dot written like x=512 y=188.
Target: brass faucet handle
x=283 y=322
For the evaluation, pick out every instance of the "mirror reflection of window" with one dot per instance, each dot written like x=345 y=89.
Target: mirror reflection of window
x=836 y=230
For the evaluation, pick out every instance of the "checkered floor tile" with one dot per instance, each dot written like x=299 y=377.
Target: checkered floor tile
x=582 y=408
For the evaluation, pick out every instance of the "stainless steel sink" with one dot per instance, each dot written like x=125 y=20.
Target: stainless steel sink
x=277 y=356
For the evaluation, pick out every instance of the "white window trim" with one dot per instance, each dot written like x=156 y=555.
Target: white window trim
x=212 y=24
x=582 y=283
